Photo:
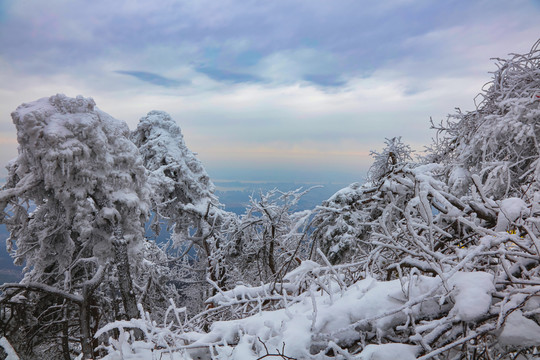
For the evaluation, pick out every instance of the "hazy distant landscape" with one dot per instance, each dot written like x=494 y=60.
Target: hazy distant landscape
x=235 y=194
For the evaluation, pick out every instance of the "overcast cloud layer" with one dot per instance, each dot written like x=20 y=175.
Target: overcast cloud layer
x=288 y=90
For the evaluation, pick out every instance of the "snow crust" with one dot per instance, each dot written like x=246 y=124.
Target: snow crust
x=340 y=313
x=389 y=352
x=10 y=352
x=511 y=209
x=520 y=331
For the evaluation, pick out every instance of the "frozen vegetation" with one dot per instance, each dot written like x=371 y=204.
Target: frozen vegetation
x=436 y=257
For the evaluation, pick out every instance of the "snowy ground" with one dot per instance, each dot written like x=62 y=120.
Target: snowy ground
x=326 y=313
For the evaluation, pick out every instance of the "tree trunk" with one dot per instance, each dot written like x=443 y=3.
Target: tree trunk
x=125 y=282
x=65 y=333
x=86 y=335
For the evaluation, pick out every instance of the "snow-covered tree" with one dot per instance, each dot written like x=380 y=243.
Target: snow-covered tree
x=267 y=241
x=183 y=197
x=394 y=154
x=75 y=203
x=343 y=223
x=182 y=192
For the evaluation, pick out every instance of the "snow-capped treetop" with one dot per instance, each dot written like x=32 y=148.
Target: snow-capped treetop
x=78 y=166
x=164 y=151
x=395 y=153
x=182 y=190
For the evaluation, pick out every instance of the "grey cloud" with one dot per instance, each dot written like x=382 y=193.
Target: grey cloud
x=154 y=79
x=325 y=80
x=228 y=76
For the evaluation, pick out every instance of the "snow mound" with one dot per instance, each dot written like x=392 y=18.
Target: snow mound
x=520 y=331
x=339 y=314
x=472 y=294
x=389 y=352
x=511 y=209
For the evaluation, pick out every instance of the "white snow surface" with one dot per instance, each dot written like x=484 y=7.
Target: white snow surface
x=10 y=352
x=389 y=352
x=459 y=180
x=520 y=331
x=472 y=294
x=338 y=313
x=511 y=209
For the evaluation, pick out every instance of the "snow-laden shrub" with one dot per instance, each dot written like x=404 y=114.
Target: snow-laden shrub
x=268 y=240
x=394 y=154
x=499 y=140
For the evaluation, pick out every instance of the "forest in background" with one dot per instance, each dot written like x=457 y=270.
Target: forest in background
x=435 y=257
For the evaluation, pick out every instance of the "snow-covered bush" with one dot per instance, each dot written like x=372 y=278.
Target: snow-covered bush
x=267 y=241
x=341 y=223
x=499 y=140
x=394 y=154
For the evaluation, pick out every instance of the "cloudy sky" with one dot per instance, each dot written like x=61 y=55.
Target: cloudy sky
x=295 y=90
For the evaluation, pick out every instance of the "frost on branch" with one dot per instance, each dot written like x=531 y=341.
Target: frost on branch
x=267 y=241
